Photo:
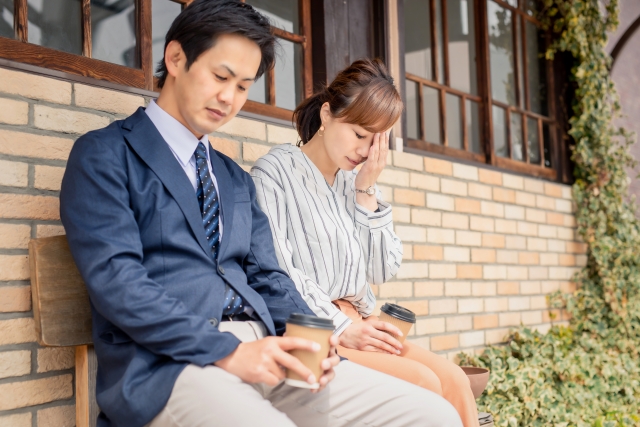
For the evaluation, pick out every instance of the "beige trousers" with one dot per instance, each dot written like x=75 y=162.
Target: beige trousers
x=358 y=396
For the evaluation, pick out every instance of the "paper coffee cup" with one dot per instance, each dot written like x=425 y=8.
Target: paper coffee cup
x=314 y=329
x=398 y=316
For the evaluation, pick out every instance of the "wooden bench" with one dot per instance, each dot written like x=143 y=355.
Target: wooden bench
x=63 y=316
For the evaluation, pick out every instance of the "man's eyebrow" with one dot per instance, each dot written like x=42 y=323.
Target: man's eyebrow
x=248 y=79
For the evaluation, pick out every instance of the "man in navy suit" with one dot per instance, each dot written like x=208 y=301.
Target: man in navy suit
x=188 y=302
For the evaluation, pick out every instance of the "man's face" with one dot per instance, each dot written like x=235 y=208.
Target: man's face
x=216 y=85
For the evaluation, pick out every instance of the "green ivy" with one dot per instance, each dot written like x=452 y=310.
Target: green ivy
x=586 y=373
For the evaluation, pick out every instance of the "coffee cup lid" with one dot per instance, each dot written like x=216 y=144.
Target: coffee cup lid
x=399 y=312
x=310 y=321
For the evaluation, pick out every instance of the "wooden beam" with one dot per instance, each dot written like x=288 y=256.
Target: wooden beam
x=438 y=86
x=296 y=38
x=86 y=28
x=143 y=8
x=20 y=20
x=86 y=370
x=307 y=53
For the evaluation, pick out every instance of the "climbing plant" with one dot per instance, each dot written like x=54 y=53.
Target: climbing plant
x=586 y=373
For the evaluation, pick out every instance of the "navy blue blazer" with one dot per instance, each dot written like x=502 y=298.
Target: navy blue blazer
x=135 y=231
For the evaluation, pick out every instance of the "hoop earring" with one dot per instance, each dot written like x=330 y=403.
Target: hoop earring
x=321 y=130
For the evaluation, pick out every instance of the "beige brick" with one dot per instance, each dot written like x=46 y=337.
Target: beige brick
x=449 y=186
x=470 y=305
x=483 y=289
x=411 y=234
x=394 y=177
x=469 y=173
x=424 y=182
x=495 y=304
x=535 y=244
x=14 y=174
x=564 y=206
x=14 y=267
x=529 y=288
x=430 y=326
x=442 y=271
x=538 y=302
x=457 y=254
x=409 y=197
x=529 y=258
x=67 y=121
x=407 y=251
x=48 y=177
x=566 y=260
x=533 y=185
x=107 y=100
x=14 y=112
x=468 y=238
x=506 y=226
x=472 y=339
x=493 y=240
x=282 y=135
x=14 y=236
x=443 y=306
x=567 y=192
x=36 y=392
x=537 y=273
x=396 y=290
x=562 y=273
x=17 y=331
x=480 y=191
x=35 y=86
x=494 y=272
x=425 y=217
x=527 y=228
x=419 y=307
x=16 y=420
x=581 y=260
x=55 y=359
x=31 y=145
x=226 y=146
x=15 y=364
x=424 y=342
x=509 y=319
x=508 y=288
x=453 y=220
x=525 y=199
x=58 y=416
x=507 y=257
x=552 y=190
x=437 y=166
x=15 y=299
x=441 y=236
x=549 y=259
x=519 y=303
x=504 y=195
x=531 y=317
x=458 y=323
x=457 y=289
x=252 y=152
x=551 y=315
x=555 y=218
x=543 y=202
x=479 y=223
x=407 y=161
x=536 y=215
x=401 y=214
x=438 y=201
x=467 y=205
x=428 y=252
x=492 y=209
x=513 y=181
x=489 y=177
x=485 y=321
x=429 y=289
x=469 y=271
x=548 y=231
x=49 y=230
x=576 y=247
x=496 y=336
x=513 y=212
x=387 y=193
x=239 y=126
x=483 y=255
x=22 y=206
x=565 y=233
x=515 y=242
x=444 y=342
x=413 y=270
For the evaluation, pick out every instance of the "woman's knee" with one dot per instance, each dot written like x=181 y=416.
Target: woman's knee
x=426 y=378
x=455 y=380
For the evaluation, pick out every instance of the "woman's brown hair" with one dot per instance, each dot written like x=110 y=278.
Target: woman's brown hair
x=361 y=94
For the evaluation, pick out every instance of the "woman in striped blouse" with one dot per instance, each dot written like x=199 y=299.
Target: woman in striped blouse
x=334 y=235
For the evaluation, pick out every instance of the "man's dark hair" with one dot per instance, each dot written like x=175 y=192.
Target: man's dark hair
x=200 y=24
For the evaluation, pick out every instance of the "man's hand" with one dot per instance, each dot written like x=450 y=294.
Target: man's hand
x=371 y=335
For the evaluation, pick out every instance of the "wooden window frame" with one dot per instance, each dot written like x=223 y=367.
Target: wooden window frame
x=484 y=98
x=21 y=51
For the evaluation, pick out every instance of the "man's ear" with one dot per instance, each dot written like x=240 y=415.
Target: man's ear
x=174 y=58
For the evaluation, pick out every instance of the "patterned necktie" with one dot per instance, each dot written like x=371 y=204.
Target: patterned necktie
x=210 y=207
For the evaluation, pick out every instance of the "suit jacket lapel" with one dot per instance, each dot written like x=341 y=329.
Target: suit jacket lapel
x=147 y=142
x=227 y=199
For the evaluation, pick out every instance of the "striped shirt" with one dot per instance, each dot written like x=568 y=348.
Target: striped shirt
x=331 y=247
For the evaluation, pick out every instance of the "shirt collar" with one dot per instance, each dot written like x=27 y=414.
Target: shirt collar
x=182 y=142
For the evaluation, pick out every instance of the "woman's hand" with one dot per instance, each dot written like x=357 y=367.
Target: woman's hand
x=376 y=161
x=371 y=335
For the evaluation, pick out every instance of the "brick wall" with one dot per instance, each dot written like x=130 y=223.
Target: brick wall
x=482 y=248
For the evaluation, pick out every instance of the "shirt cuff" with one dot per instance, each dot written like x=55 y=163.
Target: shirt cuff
x=341 y=322
x=375 y=220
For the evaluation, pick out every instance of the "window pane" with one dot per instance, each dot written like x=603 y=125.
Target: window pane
x=413 y=110
x=462 y=45
x=536 y=67
x=288 y=71
x=6 y=19
x=113 y=32
x=516 y=136
x=163 y=13
x=473 y=126
x=431 y=108
x=454 y=123
x=417 y=38
x=513 y=3
x=258 y=90
x=546 y=134
x=533 y=141
x=282 y=13
x=531 y=7
x=440 y=41
x=501 y=54
x=520 y=50
x=500 y=132
x=56 y=24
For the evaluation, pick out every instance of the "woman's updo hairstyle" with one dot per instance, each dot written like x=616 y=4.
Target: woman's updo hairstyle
x=362 y=94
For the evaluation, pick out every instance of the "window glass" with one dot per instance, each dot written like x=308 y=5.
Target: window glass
x=439 y=41
x=413 y=110
x=258 y=90
x=513 y=3
x=536 y=68
x=431 y=114
x=113 y=32
x=454 y=122
x=283 y=13
x=516 y=136
x=417 y=36
x=546 y=139
x=473 y=126
x=501 y=54
x=533 y=140
x=500 y=132
x=462 y=45
x=56 y=24
x=163 y=12
x=6 y=18
x=521 y=64
x=530 y=6
x=288 y=71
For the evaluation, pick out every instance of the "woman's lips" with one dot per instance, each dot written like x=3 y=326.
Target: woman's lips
x=353 y=162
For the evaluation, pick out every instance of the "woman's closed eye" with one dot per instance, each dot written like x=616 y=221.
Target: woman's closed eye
x=359 y=136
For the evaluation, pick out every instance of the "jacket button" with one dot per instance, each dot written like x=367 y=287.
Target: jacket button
x=221 y=270
x=214 y=322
